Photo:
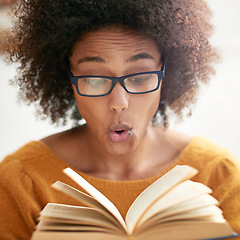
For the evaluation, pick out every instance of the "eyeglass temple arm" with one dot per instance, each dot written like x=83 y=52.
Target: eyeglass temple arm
x=69 y=70
x=163 y=64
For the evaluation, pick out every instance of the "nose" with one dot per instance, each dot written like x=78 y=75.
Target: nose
x=118 y=98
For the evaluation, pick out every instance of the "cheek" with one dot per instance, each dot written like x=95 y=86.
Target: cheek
x=156 y=99
x=83 y=105
x=89 y=108
x=154 y=106
x=150 y=104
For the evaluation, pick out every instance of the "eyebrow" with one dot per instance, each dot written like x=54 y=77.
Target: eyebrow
x=140 y=56
x=134 y=58
x=91 y=59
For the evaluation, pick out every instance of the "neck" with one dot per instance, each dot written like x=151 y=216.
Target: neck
x=158 y=150
x=140 y=162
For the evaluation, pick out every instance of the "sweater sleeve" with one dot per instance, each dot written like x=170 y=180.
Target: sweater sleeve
x=19 y=210
x=219 y=170
x=226 y=183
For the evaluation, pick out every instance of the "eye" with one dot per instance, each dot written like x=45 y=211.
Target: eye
x=139 y=79
x=94 y=81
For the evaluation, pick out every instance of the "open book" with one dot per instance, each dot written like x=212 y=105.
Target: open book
x=173 y=207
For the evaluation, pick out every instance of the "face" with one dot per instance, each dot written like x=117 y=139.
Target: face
x=118 y=122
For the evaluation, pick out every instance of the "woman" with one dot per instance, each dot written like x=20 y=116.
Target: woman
x=120 y=65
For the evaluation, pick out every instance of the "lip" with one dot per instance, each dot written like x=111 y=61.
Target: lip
x=119 y=133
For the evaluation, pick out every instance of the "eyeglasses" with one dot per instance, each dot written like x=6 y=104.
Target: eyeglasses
x=97 y=86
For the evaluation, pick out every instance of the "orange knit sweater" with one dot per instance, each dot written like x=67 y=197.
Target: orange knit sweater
x=27 y=175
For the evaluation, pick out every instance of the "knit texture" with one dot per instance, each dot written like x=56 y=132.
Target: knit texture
x=26 y=177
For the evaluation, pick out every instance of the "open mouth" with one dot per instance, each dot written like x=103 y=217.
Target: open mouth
x=120 y=133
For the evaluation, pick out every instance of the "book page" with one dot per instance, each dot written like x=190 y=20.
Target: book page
x=183 y=192
x=47 y=235
x=96 y=194
x=73 y=227
x=78 y=195
x=187 y=230
x=85 y=199
x=203 y=214
x=81 y=215
x=189 y=206
x=159 y=188
x=199 y=213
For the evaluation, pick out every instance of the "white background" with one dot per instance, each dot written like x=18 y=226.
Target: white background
x=215 y=116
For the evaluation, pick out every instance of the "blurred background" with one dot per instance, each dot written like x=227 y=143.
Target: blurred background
x=216 y=115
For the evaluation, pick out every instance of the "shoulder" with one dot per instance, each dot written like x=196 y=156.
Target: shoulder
x=30 y=152
x=214 y=163
x=208 y=153
x=32 y=162
x=13 y=166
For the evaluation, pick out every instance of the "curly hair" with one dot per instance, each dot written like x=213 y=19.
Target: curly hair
x=45 y=31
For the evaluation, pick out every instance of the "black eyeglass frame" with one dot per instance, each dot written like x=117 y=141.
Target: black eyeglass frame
x=160 y=74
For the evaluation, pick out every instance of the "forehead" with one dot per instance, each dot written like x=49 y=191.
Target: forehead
x=109 y=41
